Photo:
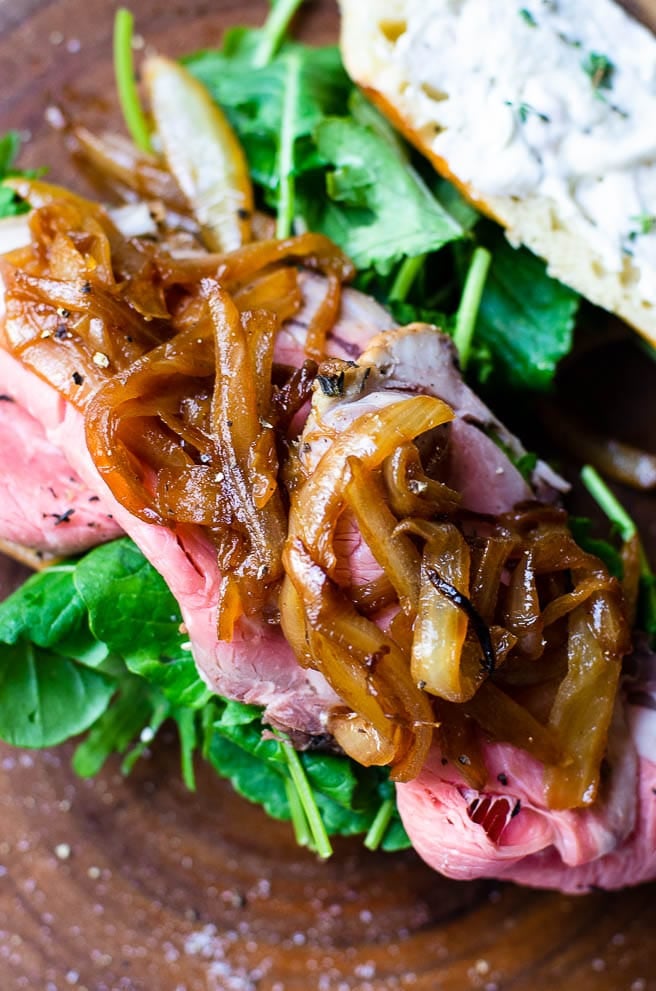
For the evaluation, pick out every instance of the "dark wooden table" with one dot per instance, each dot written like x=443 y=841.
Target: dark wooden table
x=133 y=883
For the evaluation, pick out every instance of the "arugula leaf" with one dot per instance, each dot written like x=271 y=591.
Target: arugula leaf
x=626 y=527
x=189 y=738
x=9 y=148
x=467 y=313
x=10 y=204
x=396 y=838
x=347 y=797
x=582 y=531
x=366 y=182
x=286 y=187
x=253 y=99
x=367 y=115
x=46 y=609
x=178 y=680
x=363 y=166
x=526 y=318
x=116 y=728
x=140 y=601
x=455 y=203
x=273 y=33
x=45 y=698
x=254 y=779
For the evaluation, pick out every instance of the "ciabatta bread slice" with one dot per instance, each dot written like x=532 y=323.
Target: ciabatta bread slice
x=543 y=113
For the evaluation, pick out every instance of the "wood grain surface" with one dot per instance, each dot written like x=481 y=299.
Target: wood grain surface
x=134 y=883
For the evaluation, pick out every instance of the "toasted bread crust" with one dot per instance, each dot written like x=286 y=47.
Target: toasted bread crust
x=533 y=221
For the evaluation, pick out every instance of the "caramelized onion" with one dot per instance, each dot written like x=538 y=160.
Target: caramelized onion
x=238 y=431
x=631 y=570
x=360 y=739
x=581 y=715
x=394 y=551
x=441 y=626
x=411 y=491
x=365 y=666
x=521 y=613
x=202 y=153
x=371 y=437
x=119 y=164
x=488 y=563
x=504 y=719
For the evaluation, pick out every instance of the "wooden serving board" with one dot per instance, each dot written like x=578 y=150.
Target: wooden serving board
x=134 y=884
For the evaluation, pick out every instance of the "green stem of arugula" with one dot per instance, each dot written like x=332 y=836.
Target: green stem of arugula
x=405 y=277
x=61 y=569
x=160 y=714
x=299 y=820
x=470 y=303
x=617 y=514
x=286 y=183
x=188 y=732
x=274 y=31
x=378 y=828
x=126 y=84
x=299 y=779
x=608 y=502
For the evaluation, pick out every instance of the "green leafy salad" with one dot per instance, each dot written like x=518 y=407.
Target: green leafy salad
x=96 y=646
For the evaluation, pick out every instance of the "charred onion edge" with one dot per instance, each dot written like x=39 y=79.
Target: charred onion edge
x=478 y=624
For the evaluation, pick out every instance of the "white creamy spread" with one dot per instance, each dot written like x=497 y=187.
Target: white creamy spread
x=549 y=98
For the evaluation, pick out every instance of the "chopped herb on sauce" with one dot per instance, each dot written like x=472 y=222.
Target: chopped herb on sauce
x=643 y=224
x=600 y=69
x=525 y=110
x=527 y=16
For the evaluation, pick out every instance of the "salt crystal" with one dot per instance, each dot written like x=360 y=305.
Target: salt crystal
x=55 y=118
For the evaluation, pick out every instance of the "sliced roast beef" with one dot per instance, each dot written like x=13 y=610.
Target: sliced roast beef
x=44 y=504
x=505 y=831
x=361 y=317
x=419 y=360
